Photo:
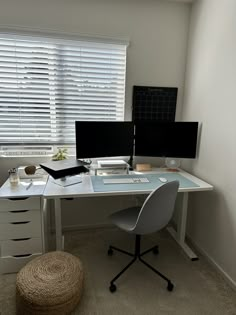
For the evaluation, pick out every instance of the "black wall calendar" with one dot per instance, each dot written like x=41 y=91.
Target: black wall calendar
x=154 y=103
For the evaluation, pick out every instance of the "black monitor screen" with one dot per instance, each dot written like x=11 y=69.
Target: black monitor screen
x=166 y=139
x=104 y=139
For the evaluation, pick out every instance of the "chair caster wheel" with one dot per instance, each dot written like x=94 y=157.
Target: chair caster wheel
x=155 y=250
x=170 y=286
x=112 y=288
x=110 y=252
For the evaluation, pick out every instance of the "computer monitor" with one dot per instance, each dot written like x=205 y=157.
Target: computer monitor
x=96 y=139
x=166 y=139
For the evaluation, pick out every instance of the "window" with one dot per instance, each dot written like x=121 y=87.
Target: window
x=47 y=84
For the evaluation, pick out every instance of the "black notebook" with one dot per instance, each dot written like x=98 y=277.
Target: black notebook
x=59 y=169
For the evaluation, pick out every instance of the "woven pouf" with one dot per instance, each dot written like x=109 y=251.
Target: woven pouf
x=49 y=285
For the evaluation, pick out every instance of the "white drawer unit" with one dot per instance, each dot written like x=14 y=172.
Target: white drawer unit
x=21 y=247
x=20 y=230
x=21 y=236
x=13 y=264
x=19 y=216
x=11 y=204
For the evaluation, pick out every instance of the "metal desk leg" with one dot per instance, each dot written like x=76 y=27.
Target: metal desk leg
x=179 y=235
x=59 y=237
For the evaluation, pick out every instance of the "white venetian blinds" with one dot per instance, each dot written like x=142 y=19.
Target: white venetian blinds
x=46 y=85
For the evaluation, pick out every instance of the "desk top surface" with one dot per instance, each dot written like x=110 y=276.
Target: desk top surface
x=20 y=191
x=86 y=187
x=45 y=187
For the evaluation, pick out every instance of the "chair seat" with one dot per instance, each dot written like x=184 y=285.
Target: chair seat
x=125 y=219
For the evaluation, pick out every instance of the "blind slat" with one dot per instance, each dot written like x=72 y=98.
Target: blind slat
x=47 y=84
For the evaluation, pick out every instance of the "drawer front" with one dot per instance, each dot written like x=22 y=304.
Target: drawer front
x=32 y=203
x=19 y=247
x=14 y=264
x=19 y=216
x=20 y=230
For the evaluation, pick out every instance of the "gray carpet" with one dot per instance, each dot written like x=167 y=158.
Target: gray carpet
x=199 y=289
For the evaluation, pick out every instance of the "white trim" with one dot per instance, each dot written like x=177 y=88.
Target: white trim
x=82 y=227
x=56 y=34
x=213 y=263
x=86 y=227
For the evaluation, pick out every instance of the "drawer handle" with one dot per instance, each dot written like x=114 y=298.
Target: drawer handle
x=25 y=255
x=23 y=222
x=18 y=211
x=20 y=239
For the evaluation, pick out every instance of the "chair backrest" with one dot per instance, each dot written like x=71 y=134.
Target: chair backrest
x=157 y=209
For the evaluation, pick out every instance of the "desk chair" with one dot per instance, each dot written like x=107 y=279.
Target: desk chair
x=154 y=215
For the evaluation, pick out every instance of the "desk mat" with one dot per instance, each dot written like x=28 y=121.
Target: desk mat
x=154 y=182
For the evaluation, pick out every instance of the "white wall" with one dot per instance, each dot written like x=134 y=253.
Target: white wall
x=157 y=31
x=210 y=99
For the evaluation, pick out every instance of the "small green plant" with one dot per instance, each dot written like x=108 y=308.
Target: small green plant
x=60 y=155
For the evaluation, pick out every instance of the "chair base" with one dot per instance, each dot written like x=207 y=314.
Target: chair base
x=137 y=255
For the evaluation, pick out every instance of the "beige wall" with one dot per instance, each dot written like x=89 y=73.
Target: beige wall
x=157 y=31
x=210 y=99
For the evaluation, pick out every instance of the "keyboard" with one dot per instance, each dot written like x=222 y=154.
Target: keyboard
x=128 y=180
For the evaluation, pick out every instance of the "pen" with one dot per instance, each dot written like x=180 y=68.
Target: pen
x=30 y=184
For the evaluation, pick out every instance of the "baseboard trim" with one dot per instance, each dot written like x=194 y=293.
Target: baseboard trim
x=228 y=279
x=85 y=227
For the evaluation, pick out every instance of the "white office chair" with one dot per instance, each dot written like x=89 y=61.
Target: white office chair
x=154 y=215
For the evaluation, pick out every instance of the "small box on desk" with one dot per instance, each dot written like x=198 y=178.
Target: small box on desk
x=143 y=167
x=109 y=167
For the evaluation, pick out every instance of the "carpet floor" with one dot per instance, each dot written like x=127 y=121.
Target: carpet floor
x=199 y=288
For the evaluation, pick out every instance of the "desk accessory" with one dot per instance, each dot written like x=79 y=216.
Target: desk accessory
x=163 y=179
x=172 y=163
x=63 y=171
x=13 y=176
x=112 y=163
x=143 y=167
x=68 y=181
x=63 y=168
x=30 y=184
x=108 y=167
x=30 y=172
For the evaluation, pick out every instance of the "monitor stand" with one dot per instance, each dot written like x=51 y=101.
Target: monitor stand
x=130 y=162
x=68 y=180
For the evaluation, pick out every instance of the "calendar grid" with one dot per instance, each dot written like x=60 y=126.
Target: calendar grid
x=154 y=103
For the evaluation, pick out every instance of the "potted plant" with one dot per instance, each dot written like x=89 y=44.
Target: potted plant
x=60 y=155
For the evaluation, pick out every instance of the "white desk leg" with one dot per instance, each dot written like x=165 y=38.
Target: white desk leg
x=59 y=238
x=44 y=225
x=179 y=235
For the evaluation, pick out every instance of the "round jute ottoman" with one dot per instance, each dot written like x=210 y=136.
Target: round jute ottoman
x=49 y=285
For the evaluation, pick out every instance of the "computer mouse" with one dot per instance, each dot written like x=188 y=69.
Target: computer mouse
x=163 y=179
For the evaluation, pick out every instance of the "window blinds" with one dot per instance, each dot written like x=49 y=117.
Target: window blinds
x=46 y=85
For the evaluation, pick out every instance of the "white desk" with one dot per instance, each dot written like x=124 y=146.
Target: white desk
x=85 y=189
